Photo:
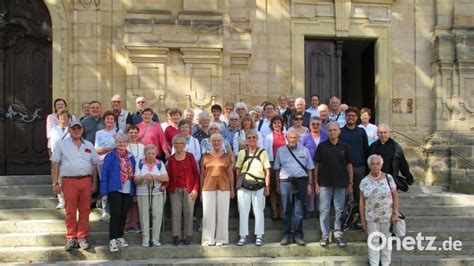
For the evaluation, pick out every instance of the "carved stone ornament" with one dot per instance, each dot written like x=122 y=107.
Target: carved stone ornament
x=89 y=3
x=17 y=21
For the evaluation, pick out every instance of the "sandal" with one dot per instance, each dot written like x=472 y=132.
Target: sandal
x=341 y=242
x=324 y=242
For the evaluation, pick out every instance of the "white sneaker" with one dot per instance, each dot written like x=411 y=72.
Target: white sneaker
x=83 y=244
x=121 y=243
x=70 y=244
x=242 y=241
x=60 y=205
x=146 y=243
x=105 y=216
x=113 y=246
x=156 y=243
x=218 y=244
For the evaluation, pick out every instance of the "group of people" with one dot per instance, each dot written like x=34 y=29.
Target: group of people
x=302 y=158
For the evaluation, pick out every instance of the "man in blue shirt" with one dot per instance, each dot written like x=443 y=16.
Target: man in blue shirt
x=335 y=114
x=293 y=166
x=313 y=109
x=356 y=138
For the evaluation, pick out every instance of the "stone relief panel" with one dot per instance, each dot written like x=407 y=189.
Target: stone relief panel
x=200 y=5
x=371 y=12
x=146 y=75
x=239 y=77
x=310 y=9
x=204 y=74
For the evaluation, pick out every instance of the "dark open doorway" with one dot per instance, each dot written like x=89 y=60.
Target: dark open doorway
x=343 y=68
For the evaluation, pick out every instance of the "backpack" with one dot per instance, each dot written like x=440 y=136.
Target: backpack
x=140 y=165
x=349 y=216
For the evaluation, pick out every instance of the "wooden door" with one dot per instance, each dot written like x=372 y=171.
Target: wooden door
x=25 y=86
x=323 y=69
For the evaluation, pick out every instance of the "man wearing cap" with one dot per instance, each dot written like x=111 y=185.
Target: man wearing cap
x=75 y=162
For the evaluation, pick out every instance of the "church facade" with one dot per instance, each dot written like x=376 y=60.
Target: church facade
x=411 y=61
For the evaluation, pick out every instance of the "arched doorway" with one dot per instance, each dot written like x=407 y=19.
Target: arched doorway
x=25 y=86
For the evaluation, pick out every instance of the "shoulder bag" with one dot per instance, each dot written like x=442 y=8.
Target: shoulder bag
x=399 y=228
x=257 y=182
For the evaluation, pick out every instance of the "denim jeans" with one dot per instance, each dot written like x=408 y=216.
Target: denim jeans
x=338 y=197
x=293 y=204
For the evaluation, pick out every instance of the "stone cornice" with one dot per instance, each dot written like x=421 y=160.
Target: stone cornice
x=147 y=54
x=201 y=55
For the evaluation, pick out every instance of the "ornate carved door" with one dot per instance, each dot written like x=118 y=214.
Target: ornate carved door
x=25 y=86
x=323 y=69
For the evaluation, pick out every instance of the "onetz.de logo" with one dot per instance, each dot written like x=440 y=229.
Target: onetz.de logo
x=409 y=243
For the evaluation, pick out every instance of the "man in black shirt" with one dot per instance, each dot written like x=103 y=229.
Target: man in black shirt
x=392 y=154
x=333 y=179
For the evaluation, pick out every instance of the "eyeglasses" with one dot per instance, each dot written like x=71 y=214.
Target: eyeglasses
x=251 y=137
x=116 y=101
x=315 y=124
x=298 y=118
x=140 y=102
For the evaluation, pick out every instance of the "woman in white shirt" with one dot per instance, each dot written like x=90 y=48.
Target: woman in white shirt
x=370 y=129
x=240 y=140
x=53 y=120
x=192 y=144
x=149 y=175
x=57 y=134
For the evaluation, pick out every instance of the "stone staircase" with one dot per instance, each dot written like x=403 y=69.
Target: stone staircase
x=32 y=231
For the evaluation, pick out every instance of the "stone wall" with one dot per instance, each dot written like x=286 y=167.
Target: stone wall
x=193 y=53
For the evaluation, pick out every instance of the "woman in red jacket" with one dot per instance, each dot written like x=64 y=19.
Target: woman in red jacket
x=183 y=189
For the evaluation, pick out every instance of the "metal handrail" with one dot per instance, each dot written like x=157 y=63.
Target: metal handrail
x=421 y=146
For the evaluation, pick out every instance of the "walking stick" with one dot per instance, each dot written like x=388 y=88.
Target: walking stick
x=151 y=187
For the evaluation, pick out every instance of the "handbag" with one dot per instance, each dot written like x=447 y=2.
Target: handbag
x=402 y=183
x=399 y=228
x=249 y=184
x=293 y=180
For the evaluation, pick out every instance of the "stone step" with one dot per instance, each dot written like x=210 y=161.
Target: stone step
x=406 y=199
x=269 y=250
x=27 y=190
x=52 y=213
x=287 y=261
x=17 y=180
x=57 y=225
x=445 y=198
x=424 y=189
x=42 y=187
x=271 y=235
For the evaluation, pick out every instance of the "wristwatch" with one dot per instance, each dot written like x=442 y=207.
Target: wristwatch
x=56 y=184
